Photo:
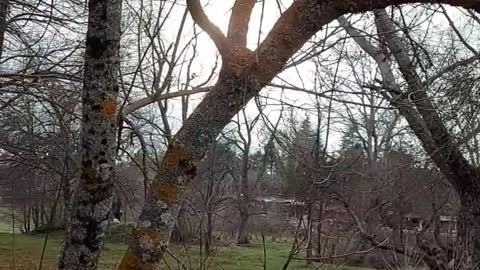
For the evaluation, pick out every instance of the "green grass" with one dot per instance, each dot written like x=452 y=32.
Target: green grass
x=28 y=249
x=5 y=222
x=6 y=228
x=251 y=257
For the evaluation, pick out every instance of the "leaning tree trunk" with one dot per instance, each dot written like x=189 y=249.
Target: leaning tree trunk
x=426 y=122
x=467 y=250
x=91 y=205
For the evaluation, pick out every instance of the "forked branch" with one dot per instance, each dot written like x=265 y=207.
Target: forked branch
x=199 y=17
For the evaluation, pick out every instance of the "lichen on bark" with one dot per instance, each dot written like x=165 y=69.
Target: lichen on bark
x=91 y=205
x=108 y=108
x=166 y=192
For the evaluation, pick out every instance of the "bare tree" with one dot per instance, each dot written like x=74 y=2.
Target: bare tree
x=244 y=130
x=243 y=74
x=39 y=67
x=416 y=106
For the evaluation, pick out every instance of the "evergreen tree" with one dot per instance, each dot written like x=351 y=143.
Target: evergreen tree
x=298 y=157
x=351 y=141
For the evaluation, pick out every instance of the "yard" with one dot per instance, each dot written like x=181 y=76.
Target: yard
x=28 y=250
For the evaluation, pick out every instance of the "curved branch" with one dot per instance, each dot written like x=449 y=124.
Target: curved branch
x=304 y=18
x=238 y=26
x=199 y=17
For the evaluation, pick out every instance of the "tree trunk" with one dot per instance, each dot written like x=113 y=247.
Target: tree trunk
x=42 y=206
x=26 y=218
x=180 y=231
x=67 y=188
x=468 y=233
x=308 y=234
x=67 y=203
x=91 y=206
x=209 y=238
x=4 y=7
x=321 y=212
x=244 y=200
x=242 y=229
x=36 y=217
x=209 y=197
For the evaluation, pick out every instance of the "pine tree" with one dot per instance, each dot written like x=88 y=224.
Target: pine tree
x=351 y=141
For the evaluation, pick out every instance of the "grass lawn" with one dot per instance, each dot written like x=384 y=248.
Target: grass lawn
x=5 y=221
x=28 y=249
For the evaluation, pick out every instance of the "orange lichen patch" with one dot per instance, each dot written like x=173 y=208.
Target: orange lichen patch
x=150 y=232
x=132 y=259
x=132 y=262
x=108 y=108
x=174 y=155
x=166 y=192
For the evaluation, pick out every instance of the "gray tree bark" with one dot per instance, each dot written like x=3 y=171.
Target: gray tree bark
x=91 y=205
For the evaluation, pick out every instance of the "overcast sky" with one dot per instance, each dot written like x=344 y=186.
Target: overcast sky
x=219 y=13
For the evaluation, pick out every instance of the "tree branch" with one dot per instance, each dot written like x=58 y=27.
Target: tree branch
x=304 y=18
x=238 y=26
x=224 y=46
x=132 y=107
